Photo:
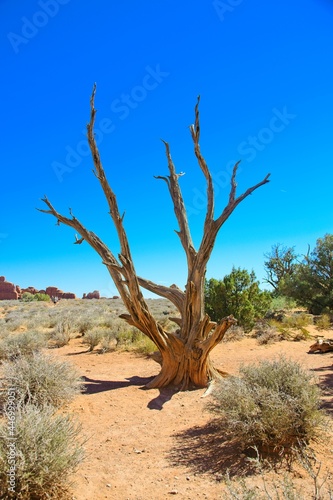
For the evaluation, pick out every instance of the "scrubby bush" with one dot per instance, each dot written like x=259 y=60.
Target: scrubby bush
x=93 y=337
x=41 y=380
x=143 y=345
x=108 y=341
x=48 y=448
x=298 y=320
x=27 y=297
x=126 y=337
x=302 y=334
x=324 y=322
x=234 y=334
x=4 y=332
x=84 y=324
x=267 y=335
x=64 y=330
x=21 y=344
x=273 y=405
x=110 y=322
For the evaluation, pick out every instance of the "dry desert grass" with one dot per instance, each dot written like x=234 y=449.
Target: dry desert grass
x=160 y=443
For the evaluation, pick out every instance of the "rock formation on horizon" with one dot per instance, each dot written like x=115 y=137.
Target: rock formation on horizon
x=54 y=292
x=92 y=295
x=8 y=290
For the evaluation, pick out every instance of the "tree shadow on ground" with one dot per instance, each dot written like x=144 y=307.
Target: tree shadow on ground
x=207 y=449
x=92 y=386
x=326 y=385
x=165 y=395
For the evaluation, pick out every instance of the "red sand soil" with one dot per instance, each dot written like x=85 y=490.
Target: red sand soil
x=153 y=444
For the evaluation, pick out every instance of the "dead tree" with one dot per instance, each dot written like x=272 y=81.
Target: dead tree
x=184 y=352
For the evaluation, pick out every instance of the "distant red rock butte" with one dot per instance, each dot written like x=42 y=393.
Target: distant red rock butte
x=92 y=295
x=8 y=291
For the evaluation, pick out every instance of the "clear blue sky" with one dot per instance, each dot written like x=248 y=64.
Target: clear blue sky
x=264 y=71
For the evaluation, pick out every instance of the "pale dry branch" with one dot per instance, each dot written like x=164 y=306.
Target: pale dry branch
x=179 y=207
x=233 y=203
x=195 y=133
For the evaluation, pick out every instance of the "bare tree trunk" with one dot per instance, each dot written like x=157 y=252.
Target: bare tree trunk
x=185 y=360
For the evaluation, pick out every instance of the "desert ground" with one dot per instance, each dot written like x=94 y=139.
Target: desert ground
x=155 y=444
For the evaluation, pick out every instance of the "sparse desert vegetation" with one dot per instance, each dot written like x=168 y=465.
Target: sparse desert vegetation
x=47 y=449
x=274 y=406
x=76 y=367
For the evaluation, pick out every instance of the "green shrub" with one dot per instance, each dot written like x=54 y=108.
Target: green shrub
x=48 y=448
x=21 y=344
x=27 y=297
x=42 y=297
x=272 y=405
x=282 y=303
x=41 y=380
x=237 y=294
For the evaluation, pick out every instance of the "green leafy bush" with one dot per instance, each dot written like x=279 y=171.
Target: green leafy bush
x=48 y=448
x=237 y=294
x=41 y=380
x=273 y=405
x=27 y=297
x=42 y=297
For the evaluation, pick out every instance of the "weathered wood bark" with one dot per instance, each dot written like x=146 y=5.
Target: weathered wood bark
x=185 y=360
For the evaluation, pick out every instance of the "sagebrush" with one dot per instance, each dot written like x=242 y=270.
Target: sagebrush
x=273 y=405
x=48 y=448
x=41 y=380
